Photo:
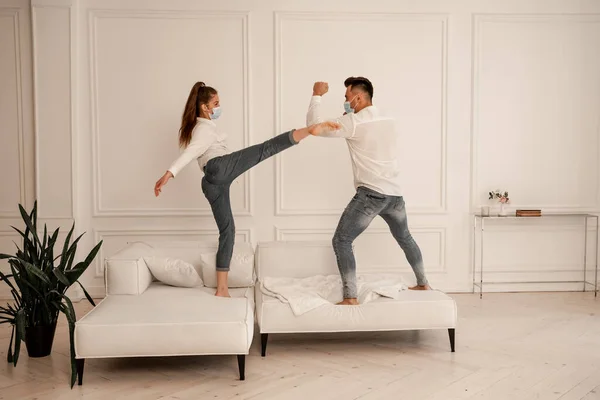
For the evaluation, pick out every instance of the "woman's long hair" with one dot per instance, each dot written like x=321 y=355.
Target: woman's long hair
x=200 y=94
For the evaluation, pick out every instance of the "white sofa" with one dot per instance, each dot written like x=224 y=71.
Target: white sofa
x=414 y=310
x=141 y=317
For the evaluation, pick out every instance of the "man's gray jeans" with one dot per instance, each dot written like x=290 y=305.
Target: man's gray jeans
x=363 y=208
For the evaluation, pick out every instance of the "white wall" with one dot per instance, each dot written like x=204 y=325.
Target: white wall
x=480 y=89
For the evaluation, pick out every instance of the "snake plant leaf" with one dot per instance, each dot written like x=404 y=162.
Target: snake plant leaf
x=28 y=222
x=61 y=277
x=69 y=311
x=87 y=295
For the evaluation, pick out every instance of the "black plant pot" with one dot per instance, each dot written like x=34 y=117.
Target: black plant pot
x=39 y=339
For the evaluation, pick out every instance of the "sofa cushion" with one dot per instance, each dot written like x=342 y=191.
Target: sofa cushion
x=126 y=276
x=241 y=270
x=167 y=321
x=173 y=271
x=412 y=309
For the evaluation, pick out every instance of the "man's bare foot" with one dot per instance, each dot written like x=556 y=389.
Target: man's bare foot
x=420 y=287
x=327 y=126
x=222 y=293
x=348 y=302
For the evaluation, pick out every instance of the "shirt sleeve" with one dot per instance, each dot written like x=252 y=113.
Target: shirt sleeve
x=314 y=116
x=202 y=139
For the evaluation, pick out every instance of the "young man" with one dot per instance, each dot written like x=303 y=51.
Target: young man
x=373 y=145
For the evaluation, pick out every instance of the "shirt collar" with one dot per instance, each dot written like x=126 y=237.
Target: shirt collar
x=372 y=109
x=205 y=121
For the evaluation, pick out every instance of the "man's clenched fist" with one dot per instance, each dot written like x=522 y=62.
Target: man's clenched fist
x=320 y=88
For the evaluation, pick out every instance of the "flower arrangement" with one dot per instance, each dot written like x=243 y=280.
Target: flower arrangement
x=501 y=196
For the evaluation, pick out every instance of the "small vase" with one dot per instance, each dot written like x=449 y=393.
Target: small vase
x=502 y=211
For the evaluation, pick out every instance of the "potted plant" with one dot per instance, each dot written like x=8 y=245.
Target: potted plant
x=502 y=198
x=38 y=281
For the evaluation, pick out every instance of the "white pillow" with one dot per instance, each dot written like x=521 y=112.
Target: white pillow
x=241 y=269
x=173 y=272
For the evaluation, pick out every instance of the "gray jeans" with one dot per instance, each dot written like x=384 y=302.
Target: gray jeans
x=364 y=207
x=220 y=172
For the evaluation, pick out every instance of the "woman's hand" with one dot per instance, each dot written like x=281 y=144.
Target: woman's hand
x=162 y=182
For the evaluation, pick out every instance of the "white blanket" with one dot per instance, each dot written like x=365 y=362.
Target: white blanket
x=306 y=294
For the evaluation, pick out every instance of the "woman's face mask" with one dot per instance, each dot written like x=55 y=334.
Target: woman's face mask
x=215 y=113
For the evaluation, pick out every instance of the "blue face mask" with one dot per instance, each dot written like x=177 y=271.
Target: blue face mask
x=216 y=113
x=348 y=108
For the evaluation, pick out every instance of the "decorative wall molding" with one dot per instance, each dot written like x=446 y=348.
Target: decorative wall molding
x=14 y=13
x=93 y=16
x=9 y=233
x=478 y=20
x=520 y=269
x=437 y=267
x=72 y=15
x=52 y=3
x=279 y=18
x=4 y=289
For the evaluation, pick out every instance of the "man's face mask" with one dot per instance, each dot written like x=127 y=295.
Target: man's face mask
x=348 y=106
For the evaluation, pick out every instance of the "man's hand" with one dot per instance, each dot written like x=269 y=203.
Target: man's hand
x=320 y=88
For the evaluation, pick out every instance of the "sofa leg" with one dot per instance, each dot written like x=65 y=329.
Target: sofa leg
x=80 y=364
x=451 y=332
x=242 y=366
x=264 y=337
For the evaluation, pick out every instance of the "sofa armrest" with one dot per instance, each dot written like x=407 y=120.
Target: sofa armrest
x=126 y=272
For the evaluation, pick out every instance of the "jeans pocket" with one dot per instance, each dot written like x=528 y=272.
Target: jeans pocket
x=399 y=204
x=375 y=197
x=373 y=204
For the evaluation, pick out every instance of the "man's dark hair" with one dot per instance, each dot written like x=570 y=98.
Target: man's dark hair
x=361 y=83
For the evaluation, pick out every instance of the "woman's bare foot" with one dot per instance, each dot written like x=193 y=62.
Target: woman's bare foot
x=348 y=302
x=420 y=287
x=222 y=292
x=322 y=127
x=222 y=287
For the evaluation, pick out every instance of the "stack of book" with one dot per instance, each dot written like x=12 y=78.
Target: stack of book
x=529 y=213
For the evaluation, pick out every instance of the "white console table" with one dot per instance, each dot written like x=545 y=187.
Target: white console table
x=479 y=224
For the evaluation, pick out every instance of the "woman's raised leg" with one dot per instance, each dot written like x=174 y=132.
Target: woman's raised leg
x=227 y=168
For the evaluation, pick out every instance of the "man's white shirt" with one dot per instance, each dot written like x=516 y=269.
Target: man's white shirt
x=373 y=144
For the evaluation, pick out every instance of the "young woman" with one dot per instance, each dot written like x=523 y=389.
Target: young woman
x=201 y=140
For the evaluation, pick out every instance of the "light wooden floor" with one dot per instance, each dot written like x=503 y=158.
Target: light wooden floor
x=509 y=346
